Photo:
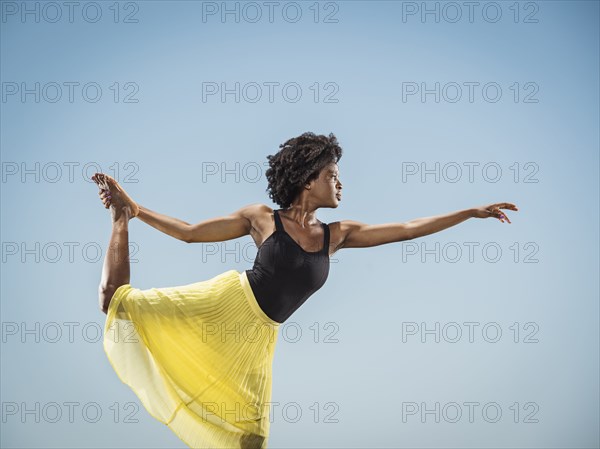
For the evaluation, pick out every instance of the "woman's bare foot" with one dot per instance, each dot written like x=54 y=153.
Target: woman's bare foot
x=113 y=196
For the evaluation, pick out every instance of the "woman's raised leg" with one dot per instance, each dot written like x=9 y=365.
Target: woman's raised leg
x=116 y=270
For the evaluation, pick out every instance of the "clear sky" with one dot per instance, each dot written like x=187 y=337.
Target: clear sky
x=483 y=335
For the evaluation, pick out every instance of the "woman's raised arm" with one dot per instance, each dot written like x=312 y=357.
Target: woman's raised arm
x=219 y=229
x=169 y=225
x=232 y=226
x=360 y=235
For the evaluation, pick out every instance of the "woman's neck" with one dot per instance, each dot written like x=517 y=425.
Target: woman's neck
x=304 y=217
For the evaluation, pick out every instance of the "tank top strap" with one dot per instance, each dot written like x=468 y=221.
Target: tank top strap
x=326 y=239
x=278 y=225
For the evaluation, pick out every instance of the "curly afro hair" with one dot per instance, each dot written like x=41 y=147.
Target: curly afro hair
x=299 y=161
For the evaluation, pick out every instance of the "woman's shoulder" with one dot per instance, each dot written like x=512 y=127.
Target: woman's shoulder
x=257 y=213
x=258 y=209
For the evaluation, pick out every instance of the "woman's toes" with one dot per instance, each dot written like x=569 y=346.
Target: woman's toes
x=111 y=183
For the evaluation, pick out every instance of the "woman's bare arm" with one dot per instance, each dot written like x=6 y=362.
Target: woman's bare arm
x=361 y=235
x=169 y=225
x=218 y=229
x=234 y=225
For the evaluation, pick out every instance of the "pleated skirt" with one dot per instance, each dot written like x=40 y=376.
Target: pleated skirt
x=199 y=357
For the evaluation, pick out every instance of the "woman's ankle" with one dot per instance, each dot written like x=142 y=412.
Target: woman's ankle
x=121 y=216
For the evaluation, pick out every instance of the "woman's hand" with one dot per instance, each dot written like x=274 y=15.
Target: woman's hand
x=109 y=187
x=493 y=210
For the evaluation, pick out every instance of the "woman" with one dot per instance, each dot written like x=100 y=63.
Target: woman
x=199 y=356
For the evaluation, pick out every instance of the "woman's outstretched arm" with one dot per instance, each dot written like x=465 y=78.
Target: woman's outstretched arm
x=361 y=235
x=169 y=225
x=219 y=229
x=235 y=225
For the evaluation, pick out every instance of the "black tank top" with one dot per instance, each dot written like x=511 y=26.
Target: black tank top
x=284 y=275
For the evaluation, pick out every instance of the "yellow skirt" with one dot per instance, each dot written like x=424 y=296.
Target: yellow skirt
x=198 y=356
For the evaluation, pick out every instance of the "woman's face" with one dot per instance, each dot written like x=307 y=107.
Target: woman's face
x=327 y=187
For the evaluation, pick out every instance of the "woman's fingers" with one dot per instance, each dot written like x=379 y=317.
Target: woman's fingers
x=496 y=212
x=493 y=210
x=502 y=216
x=507 y=206
x=104 y=194
x=104 y=190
